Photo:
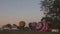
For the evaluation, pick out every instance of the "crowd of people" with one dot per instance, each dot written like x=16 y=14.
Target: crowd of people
x=41 y=26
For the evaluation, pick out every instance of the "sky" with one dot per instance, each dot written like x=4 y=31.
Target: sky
x=13 y=11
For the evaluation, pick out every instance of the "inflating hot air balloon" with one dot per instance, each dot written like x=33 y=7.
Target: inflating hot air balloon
x=22 y=23
x=42 y=26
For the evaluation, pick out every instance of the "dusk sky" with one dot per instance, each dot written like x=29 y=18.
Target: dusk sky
x=13 y=11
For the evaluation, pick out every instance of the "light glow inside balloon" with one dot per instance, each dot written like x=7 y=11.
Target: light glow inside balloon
x=22 y=23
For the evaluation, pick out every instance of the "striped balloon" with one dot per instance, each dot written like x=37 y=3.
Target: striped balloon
x=41 y=26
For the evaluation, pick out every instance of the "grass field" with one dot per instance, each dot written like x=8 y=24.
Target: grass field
x=23 y=32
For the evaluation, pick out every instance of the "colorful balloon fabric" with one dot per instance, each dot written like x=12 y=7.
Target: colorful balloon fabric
x=45 y=27
x=34 y=24
x=41 y=26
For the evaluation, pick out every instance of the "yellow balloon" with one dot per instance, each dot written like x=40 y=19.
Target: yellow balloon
x=22 y=23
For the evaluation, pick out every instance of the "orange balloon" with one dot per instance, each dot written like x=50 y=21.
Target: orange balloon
x=22 y=23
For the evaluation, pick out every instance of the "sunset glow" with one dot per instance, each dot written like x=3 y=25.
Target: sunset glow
x=13 y=11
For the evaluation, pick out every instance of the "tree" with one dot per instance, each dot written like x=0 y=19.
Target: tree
x=52 y=9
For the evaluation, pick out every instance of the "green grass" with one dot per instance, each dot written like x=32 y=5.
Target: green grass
x=24 y=32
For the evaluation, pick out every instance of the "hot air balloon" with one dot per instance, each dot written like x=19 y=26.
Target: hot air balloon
x=22 y=23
